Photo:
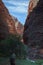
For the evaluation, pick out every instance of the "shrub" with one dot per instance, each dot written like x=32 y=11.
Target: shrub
x=12 y=42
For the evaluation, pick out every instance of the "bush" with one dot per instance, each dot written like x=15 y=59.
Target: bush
x=12 y=42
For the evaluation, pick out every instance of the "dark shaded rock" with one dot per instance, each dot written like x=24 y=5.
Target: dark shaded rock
x=33 y=28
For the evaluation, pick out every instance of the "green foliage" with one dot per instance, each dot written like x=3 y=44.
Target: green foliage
x=12 y=42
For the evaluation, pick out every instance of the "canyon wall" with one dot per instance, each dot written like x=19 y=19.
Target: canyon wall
x=19 y=27
x=33 y=28
x=7 y=23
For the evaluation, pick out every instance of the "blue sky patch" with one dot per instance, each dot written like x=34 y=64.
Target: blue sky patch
x=17 y=8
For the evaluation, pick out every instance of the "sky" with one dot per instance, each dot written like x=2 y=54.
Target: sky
x=17 y=8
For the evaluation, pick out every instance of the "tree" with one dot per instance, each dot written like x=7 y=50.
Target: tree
x=13 y=43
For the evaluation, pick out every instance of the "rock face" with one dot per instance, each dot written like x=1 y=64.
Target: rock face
x=33 y=28
x=33 y=4
x=8 y=24
x=3 y=24
x=6 y=18
x=19 y=27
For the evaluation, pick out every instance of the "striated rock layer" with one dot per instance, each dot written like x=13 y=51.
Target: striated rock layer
x=33 y=28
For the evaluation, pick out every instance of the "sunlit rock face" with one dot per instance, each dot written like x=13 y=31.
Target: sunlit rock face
x=7 y=24
x=32 y=4
x=19 y=27
x=33 y=28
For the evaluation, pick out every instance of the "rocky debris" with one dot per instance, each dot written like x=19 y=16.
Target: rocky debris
x=33 y=28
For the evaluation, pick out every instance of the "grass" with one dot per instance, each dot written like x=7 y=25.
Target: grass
x=5 y=61
x=24 y=62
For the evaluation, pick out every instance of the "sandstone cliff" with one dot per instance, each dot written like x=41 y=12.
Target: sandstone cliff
x=8 y=25
x=6 y=21
x=33 y=28
x=19 y=27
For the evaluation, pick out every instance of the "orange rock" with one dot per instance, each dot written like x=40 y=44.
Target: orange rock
x=7 y=24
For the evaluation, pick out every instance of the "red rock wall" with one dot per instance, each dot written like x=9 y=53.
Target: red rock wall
x=7 y=24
